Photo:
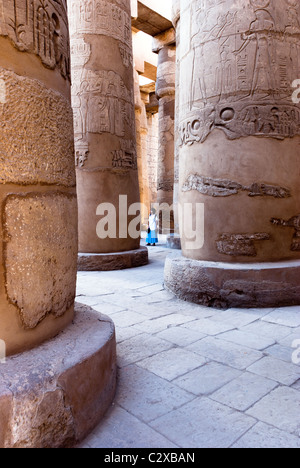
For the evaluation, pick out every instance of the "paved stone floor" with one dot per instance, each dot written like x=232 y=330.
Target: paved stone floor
x=189 y=376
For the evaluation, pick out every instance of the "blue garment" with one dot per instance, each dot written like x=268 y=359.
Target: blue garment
x=152 y=238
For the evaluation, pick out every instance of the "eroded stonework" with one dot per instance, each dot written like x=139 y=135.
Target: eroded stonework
x=226 y=188
x=40 y=254
x=36 y=134
x=39 y=27
x=101 y=17
x=240 y=244
x=294 y=222
x=245 y=56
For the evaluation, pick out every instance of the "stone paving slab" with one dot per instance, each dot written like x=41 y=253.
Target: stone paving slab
x=203 y=423
x=216 y=349
x=139 y=347
x=280 y=352
x=288 y=316
x=240 y=317
x=119 y=429
x=267 y=437
x=250 y=340
x=209 y=327
x=270 y=330
x=162 y=323
x=148 y=396
x=207 y=379
x=180 y=335
x=280 y=408
x=280 y=371
x=244 y=390
x=172 y=363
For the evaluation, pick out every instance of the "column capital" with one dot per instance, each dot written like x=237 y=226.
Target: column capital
x=167 y=38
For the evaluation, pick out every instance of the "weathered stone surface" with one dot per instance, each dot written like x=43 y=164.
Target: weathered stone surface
x=113 y=261
x=240 y=244
x=235 y=86
x=226 y=188
x=54 y=395
x=104 y=118
x=36 y=134
x=39 y=247
x=239 y=137
x=38 y=234
x=294 y=222
x=223 y=285
x=173 y=242
x=165 y=91
x=40 y=28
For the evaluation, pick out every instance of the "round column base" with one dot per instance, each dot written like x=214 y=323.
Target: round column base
x=113 y=261
x=55 y=394
x=174 y=242
x=224 y=285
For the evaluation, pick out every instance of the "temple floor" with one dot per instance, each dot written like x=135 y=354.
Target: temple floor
x=190 y=376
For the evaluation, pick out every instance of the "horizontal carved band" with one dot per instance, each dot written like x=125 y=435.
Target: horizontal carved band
x=225 y=188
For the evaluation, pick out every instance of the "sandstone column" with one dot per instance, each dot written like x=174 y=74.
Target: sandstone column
x=38 y=195
x=105 y=140
x=173 y=240
x=141 y=145
x=51 y=394
x=239 y=154
x=164 y=45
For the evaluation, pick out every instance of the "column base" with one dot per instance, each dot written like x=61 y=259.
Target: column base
x=55 y=394
x=224 y=285
x=174 y=242
x=112 y=261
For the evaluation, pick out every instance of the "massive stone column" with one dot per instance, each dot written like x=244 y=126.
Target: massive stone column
x=164 y=45
x=105 y=139
x=239 y=154
x=173 y=240
x=38 y=194
x=44 y=398
x=141 y=146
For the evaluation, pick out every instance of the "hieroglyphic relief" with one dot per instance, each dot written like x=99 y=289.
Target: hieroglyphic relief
x=39 y=27
x=244 y=61
x=294 y=222
x=101 y=17
x=240 y=244
x=226 y=188
x=101 y=103
x=81 y=153
x=126 y=157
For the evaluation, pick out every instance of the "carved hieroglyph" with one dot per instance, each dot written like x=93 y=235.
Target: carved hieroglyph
x=225 y=188
x=39 y=27
x=294 y=222
x=240 y=244
x=37 y=175
x=101 y=101
x=101 y=17
x=36 y=140
x=104 y=119
x=40 y=255
x=245 y=58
